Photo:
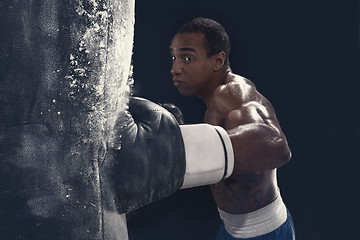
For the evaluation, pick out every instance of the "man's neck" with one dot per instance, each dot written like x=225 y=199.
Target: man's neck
x=219 y=79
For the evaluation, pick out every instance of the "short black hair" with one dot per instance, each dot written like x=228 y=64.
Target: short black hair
x=216 y=38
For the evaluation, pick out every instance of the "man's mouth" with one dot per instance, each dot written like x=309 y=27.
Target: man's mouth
x=178 y=82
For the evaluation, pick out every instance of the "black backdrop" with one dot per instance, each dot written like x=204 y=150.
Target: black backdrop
x=303 y=55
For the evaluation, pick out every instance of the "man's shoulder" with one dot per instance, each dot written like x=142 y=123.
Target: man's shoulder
x=235 y=87
x=238 y=81
x=229 y=95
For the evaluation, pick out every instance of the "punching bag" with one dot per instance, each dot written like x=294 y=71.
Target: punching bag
x=64 y=70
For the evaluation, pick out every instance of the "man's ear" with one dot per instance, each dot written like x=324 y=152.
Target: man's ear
x=219 y=60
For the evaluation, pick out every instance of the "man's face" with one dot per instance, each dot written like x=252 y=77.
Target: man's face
x=191 y=68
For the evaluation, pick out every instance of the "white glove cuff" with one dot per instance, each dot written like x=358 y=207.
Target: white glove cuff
x=209 y=154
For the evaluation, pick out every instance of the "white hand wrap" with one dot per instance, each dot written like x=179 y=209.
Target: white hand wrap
x=209 y=154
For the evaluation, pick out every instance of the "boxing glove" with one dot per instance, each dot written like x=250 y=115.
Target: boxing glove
x=175 y=111
x=155 y=156
x=149 y=156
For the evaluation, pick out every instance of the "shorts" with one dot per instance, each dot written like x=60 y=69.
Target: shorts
x=285 y=232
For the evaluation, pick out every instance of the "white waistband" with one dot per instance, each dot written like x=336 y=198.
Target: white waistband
x=256 y=223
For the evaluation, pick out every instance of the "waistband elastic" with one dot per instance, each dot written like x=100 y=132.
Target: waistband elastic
x=257 y=223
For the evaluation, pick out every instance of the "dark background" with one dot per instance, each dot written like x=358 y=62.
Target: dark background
x=303 y=55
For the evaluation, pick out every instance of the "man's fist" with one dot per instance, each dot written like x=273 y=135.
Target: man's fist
x=174 y=110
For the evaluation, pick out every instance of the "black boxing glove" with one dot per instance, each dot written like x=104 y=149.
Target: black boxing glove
x=175 y=111
x=157 y=156
x=149 y=162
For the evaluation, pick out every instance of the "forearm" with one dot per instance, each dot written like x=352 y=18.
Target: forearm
x=258 y=147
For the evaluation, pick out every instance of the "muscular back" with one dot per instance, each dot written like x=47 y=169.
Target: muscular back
x=259 y=145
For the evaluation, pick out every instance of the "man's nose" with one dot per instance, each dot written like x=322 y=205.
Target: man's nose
x=175 y=69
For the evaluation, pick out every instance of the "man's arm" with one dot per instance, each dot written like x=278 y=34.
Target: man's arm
x=256 y=136
x=155 y=157
x=258 y=147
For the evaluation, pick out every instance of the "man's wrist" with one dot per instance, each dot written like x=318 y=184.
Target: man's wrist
x=209 y=154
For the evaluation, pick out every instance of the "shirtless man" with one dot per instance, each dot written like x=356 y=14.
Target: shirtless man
x=249 y=202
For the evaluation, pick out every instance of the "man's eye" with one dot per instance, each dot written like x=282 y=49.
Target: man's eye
x=188 y=59
x=173 y=58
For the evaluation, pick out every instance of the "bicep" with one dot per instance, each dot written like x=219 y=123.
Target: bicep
x=246 y=114
x=250 y=113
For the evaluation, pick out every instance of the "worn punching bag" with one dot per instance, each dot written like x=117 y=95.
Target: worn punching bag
x=64 y=70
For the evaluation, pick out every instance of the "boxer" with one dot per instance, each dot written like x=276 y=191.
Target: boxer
x=249 y=201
